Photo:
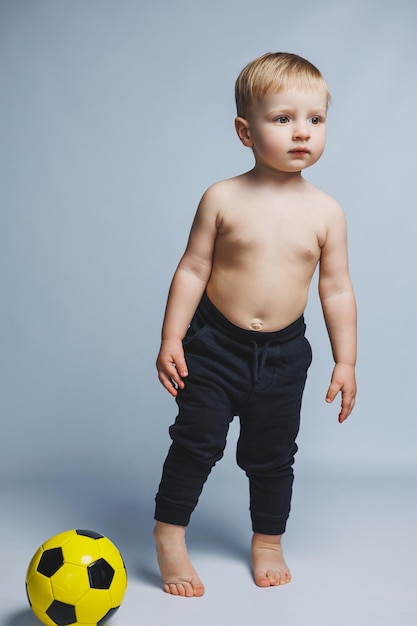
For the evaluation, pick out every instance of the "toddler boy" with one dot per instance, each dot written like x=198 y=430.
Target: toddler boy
x=233 y=339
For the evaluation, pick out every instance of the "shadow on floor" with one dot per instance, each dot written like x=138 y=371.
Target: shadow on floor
x=123 y=511
x=22 y=618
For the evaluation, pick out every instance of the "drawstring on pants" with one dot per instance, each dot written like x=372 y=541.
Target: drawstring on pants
x=259 y=360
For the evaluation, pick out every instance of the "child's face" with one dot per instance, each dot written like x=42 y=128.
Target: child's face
x=287 y=131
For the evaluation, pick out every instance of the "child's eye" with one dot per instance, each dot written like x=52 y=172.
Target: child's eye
x=316 y=119
x=282 y=119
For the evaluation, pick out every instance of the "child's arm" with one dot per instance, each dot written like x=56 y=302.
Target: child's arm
x=339 y=309
x=187 y=287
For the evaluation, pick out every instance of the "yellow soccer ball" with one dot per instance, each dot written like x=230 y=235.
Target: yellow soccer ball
x=76 y=577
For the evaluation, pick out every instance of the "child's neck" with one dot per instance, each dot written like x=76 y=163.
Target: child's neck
x=263 y=174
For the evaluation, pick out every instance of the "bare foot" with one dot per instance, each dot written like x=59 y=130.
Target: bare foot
x=178 y=575
x=269 y=566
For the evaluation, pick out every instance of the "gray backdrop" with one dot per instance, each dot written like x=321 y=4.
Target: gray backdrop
x=115 y=117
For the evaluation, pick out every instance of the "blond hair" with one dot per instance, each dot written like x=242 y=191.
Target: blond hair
x=274 y=72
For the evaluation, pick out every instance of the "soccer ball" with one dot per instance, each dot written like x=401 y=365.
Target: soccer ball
x=76 y=577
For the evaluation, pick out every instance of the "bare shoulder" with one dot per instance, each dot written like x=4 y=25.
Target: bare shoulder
x=219 y=196
x=318 y=195
x=224 y=189
x=331 y=209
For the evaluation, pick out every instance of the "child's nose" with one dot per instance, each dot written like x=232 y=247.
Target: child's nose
x=301 y=131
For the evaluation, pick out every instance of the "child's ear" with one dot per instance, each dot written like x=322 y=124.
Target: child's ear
x=243 y=131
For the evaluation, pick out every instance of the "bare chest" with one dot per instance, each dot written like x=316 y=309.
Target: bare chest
x=270 y=237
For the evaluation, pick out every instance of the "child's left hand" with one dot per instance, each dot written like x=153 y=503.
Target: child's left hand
x=343 y=380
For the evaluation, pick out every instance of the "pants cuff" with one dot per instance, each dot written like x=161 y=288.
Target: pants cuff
x=170 y=514
x=268 y=526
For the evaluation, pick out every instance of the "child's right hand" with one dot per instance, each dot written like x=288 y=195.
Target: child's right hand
x=171 y=365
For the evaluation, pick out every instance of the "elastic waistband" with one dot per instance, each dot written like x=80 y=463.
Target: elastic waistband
x=213 y=316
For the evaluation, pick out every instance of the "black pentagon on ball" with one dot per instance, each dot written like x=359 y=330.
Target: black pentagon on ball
x=50 y=561
x=61 y=613
x=100 y=574
x=89 y=533
x=108 y=615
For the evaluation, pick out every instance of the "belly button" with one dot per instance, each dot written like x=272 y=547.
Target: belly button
x=256 y=325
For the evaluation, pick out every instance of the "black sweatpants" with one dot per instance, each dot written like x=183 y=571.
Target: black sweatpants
x=257 y=376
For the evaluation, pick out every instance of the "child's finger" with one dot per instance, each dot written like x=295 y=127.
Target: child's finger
x=348 y=402
x=181 y=366
x=168 y=384
x=174 y=375
x=332 y=392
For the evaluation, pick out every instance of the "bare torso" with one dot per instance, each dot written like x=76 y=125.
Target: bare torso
x=267 y=248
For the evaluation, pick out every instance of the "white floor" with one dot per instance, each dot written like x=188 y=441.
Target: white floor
x=351 y=545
